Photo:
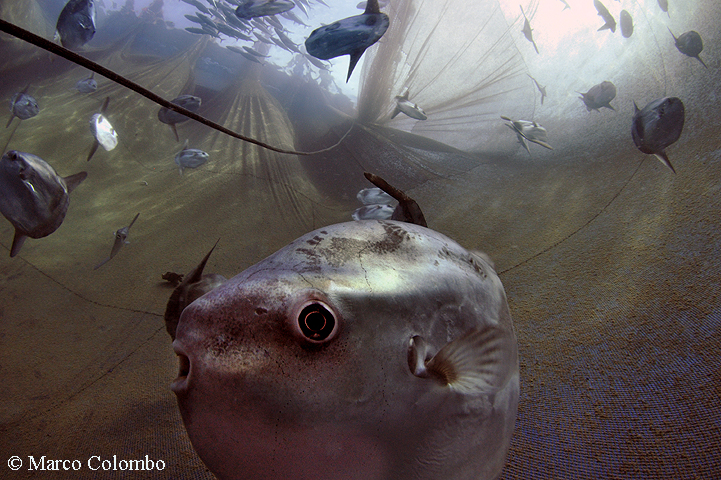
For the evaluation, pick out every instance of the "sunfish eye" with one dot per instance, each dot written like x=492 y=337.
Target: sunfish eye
x=316 y=322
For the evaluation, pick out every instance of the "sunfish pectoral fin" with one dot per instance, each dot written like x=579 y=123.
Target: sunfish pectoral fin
x=175 y=131
x=93 y=149
x=661 y=155
x=479 y=362
x=18 y=241
x=354 y=57
x=105 y=105
x=74 y=180
x=12 y=115
x=396 y=111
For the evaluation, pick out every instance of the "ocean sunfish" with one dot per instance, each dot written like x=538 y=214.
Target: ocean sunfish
x=403 y=105
x=626 y=22
x=190 y=158
x=76 y=24
x=375 y=350
x=172 y=118
x=349 y=36
x=103 y=132
x=599 y=96
x=605 y=15
x=23 y=106
x=33 y=197
x=87 y=85
x=248 y=9
x=658 y=125
x=531 y=131
x=690 y=44
x=528 y=31
x=121 y=238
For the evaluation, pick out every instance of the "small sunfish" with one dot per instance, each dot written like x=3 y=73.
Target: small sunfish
x=172 y=118
x=87 y=85
x=76 y=23
x=658 y=125
x=599 y=96
x=349 y=36
x=690 y=44
x=23 y=106
x=528 y=31
x=259 y=8
x=121 y=238
x=33 y=197
x=626 y=23
x=190 y=158
x=531 y=131
x=605 y=15
x=375 y=350
x=403 y=105
x=103 y=132
x=373 y=212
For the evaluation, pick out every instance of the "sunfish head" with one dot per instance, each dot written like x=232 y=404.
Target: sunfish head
x=76 y=23
x=363 y=350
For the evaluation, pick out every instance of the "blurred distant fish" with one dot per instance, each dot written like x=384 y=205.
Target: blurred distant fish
x=198 y=5
x=657 y=126
x=245 y=54
x=287 y=41
x=23 y=106
x=274 y=22
x=172 y=118
x=261 y=8
x=316 y=62
x=528 y=31
x=293 y=18
x=87 y=85
x=76 y=23
x=253 y=52
x=664 y=6
x=626 y=23
x=599 y=96
x=374 y=196
x=32 y=196
x=566 y=4
x=190 y=158
x=606 y=15
x=690 y=44
x=349 y=36
x=531 y=131
x=403 y=105
x=373 y=212
x=540 y=89
x=102 y=131
x=121 y=238
x=262 y=38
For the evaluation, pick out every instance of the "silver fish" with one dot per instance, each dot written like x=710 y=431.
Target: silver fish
x=22 y=106
x=528 y=31
x=599 y=96
x=403 y=105
x=121 y=238
x=259 y=8
x=657 y=126
x=373 y=212
x=172 y=118
x=349 y=36
x=190 y=158
x=32 y=196
x=377 y=350
x=373 y=196
x=103 y=132
x=626 y=22
x=76 y=24
x=606 y=15
x=690 y=44
x=87 y=85
x=193 y=286
x=530 y=131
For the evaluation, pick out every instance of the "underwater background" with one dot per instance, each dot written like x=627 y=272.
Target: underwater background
x=610 y=261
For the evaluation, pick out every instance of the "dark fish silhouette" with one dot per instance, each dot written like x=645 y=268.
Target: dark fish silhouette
x=664 y=6
x=32 y=196
x=190 y=158
x=690 y=44
x=626 y=23
x=260 y=8
x=121 y=238
x=193 y=286
x=528 y=31
x=87 y=85
x=76 y=23
x=606 y=15
x=657 y=126
x=23 y=106
x=349 y=36
x=172 y=118
x=599 y=96
x=540 y=89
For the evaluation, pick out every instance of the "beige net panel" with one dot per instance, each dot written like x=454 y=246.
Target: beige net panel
x=609 y=260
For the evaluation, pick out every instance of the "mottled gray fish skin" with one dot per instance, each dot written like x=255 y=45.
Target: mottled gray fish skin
x=23 y=106
x=349 y=36
x=323 y=361
x=33 y=197
x=658 y=125
x=260 y=8
x=76 y=23
x=599 y=96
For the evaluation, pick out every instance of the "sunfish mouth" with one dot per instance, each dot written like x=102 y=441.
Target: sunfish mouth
x=180 y=384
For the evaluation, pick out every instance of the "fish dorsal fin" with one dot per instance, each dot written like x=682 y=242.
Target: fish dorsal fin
x=175 y=131
x=197 y=273
x=372 y=7
x=635 y=107
x=405 y=95
x=93 y=149
x=355 y=55
x=105 y=105
x=18 y=241
x=407 y=209
x=74 y=180
x=478 y=362
x=661 y=155
x=134 y=219
x=698 y=57
x=674 y=36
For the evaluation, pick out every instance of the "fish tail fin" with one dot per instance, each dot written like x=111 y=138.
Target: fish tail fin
x=664 y=159
x=74 y=180
x=93 y=149
x=18 y=241
x=354 y=57
x=478 y=362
